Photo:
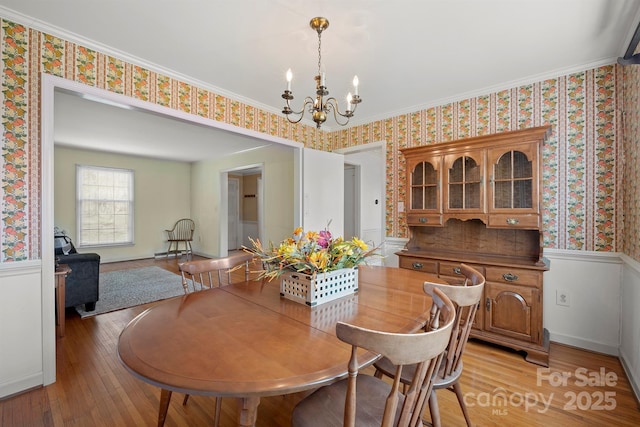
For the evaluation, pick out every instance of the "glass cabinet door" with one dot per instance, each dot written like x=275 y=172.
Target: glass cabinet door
x=424 y=187
x=514 y=180
x=464 y=184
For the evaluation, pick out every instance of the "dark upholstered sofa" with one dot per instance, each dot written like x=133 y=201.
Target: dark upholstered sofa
x=82 y=284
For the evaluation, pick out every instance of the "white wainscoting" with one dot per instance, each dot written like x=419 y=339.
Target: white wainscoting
x=630 y=322
x=390 y=246
x=21 y=351
x=592 y=280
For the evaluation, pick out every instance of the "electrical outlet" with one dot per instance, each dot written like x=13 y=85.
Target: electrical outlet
x=562 y=297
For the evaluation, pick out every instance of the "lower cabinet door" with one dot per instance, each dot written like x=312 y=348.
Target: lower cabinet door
x=512 y=311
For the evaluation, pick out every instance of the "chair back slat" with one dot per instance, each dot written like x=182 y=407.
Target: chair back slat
x=424 y=349
x=200 y=273
x=466 y=299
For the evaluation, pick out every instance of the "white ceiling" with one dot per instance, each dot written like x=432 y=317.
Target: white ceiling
x=87 y=124
x=408 y=54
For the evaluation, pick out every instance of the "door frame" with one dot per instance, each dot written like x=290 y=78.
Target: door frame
x=378 y=145
x=224 y=206
x=237 y=203
x=357 y=228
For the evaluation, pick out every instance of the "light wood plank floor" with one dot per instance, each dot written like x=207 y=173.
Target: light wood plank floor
x=93 y=388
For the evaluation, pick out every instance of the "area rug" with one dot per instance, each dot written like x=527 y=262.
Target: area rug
x=128 y=288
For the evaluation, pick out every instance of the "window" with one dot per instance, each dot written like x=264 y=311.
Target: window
x=104 y=206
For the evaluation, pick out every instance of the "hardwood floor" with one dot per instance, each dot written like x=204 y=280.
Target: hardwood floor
x=501 y=388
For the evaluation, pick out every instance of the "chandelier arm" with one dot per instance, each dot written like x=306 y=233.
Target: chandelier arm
x=331 y=105
x=308 y=101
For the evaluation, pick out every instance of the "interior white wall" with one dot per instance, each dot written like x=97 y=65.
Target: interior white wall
x=162 y=192
x=278 y=181
x=630 y=321
x=592 y=280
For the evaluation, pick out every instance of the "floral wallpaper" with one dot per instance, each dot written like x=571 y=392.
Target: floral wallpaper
x=631 y=161
x=582 y=162
x=26 y=53
x=581 y=172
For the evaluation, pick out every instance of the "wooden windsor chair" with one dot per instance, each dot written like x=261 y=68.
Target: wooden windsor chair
x=363 y=400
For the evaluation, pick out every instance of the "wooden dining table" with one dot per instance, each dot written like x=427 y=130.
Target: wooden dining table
x=246 y=341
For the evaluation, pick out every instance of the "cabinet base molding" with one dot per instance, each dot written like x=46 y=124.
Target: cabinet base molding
x=536 y=354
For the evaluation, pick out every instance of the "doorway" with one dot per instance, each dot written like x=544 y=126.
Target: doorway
x=243 y=204
x=364 y=189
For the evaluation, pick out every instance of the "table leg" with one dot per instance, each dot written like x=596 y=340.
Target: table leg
x=165 y=398
x=248 y=411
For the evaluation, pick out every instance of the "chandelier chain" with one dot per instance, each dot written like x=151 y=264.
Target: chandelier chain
x=319 y=51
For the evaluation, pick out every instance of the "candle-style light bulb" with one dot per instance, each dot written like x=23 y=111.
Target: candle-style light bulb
x=289 y=77
x=355 y=84
x=349 y=98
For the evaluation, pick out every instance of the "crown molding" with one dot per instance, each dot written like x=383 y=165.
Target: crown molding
x=554 y=74
x=108 y=50
x=55 y=31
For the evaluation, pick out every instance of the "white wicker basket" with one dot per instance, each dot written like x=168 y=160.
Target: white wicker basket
x=318 y=289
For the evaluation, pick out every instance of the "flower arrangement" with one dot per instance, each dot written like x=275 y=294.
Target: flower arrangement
x=310 y=253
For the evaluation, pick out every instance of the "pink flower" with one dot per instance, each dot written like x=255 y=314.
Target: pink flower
x=324 y=238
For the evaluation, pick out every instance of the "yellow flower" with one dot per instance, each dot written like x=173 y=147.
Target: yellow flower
x=359 y=243
x=286 y=250
x=311 y=252
x=319 y=259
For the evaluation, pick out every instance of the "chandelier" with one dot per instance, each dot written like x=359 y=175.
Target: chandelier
x=320 y=107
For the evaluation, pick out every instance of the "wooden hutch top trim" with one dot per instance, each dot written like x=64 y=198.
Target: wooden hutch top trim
x=539 y=133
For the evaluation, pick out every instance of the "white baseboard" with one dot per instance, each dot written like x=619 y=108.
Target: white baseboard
x=584 y=344
x=21 y=385
x=631 y=375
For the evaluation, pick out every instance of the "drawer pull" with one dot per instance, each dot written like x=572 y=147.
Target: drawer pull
x=457 y=270
x=487 y=304
x=510 y=277
x=417 y=265
x=513 y=221
x=423 y=220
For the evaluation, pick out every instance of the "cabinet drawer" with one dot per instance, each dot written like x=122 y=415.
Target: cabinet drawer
x=451 y=272
x=452 y=269
x=419 y=264
x=526 y=221
x=424 y=219
x=515 y=276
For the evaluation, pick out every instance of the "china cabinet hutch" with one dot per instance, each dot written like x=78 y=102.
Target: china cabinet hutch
x=477 y=201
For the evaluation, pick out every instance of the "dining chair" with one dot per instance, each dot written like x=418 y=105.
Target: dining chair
x=466 y=299
x=200 y=274
x=182 y=231
x=364 y=400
